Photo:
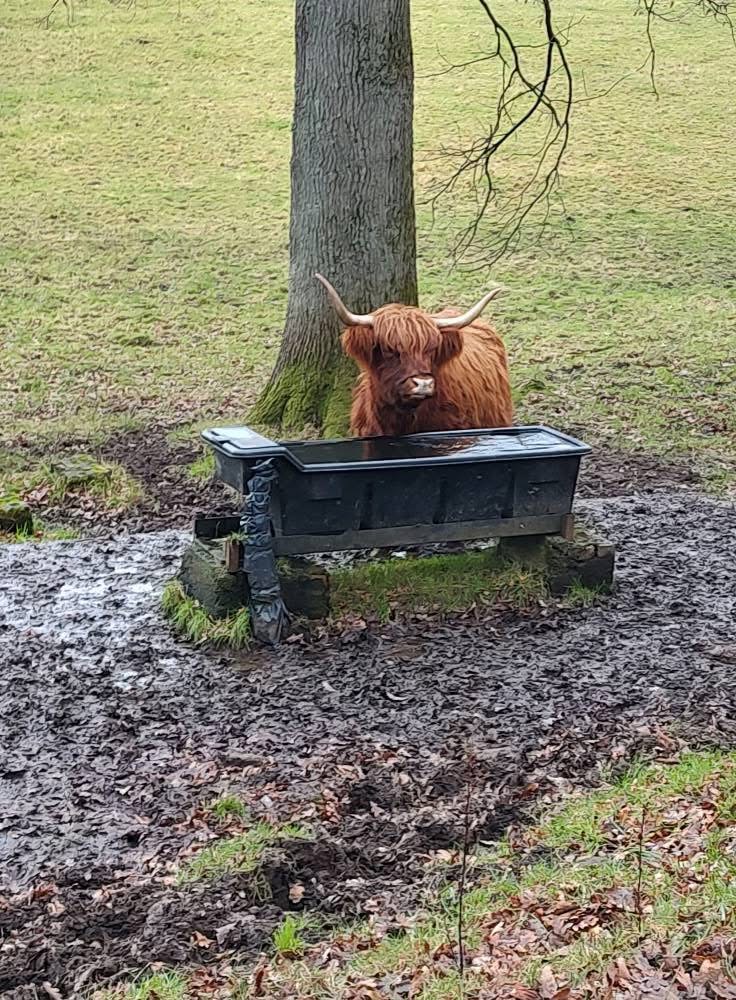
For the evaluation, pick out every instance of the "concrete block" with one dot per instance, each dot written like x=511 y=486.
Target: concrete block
x=205 y=578
x=587 y=560
x=208 y=573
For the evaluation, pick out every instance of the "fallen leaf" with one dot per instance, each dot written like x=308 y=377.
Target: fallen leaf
x=547 y=983
x=296 y=892
x=200 y=940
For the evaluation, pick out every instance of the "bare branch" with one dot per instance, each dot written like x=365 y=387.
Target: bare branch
x=526 y=96
x=538 y=102
x=680 y=11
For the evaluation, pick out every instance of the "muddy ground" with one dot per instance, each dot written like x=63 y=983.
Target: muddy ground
x=113 y=734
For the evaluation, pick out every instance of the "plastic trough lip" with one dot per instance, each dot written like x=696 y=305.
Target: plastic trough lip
x=224 y=440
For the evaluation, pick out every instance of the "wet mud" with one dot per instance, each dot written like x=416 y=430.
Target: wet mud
x=113 y=734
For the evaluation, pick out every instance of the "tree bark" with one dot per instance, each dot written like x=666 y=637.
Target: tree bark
x=352 y=196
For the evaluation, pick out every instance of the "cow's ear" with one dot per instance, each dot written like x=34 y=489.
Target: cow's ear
x=358 y=343
x=450 y=346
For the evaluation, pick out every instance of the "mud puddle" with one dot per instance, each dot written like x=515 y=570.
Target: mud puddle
x=114 y=735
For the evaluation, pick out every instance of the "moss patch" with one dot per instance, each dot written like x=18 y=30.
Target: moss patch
x=82 y=475
x=301 y=396
x=77 y=476
x=189 y=619
x=442 y=583
x=39 y=531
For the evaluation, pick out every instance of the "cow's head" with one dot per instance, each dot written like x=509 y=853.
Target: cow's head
x=403 y=347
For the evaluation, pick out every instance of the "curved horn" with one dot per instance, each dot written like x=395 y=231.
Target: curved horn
x=458 y=322
x=348 y=318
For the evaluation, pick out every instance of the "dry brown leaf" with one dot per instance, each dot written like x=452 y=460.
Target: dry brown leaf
x=296 y=892
x=547 y=983
x=524 y=993
x=200 y=940
x=365 y=989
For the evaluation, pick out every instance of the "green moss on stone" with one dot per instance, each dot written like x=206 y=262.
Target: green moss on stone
x=336 y=420
x=191 y=621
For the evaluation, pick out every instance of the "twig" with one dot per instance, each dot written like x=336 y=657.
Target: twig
x=461 y=887
x=679 y=11
x=524 y=99
x=640 y=871
x=545 y=99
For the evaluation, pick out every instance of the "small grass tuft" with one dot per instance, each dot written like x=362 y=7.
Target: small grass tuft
x=229 y=807
x=580 y=596
x=241 y=853
x=203 y=468
x=83 y=475
x=192 y=622
x=39 y=532
x=165 y=985
x=287 y=938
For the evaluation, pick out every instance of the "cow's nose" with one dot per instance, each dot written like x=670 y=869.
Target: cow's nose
x=422 y=386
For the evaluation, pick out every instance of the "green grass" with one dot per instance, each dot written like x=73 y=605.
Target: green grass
x=203 y=468
x=77 y=476
x=40 y=532
x=588 y=882
x=229 y=807
x=108 y=481
x=144 y=194
x=169 y=985
x=581 y=596
x=240 y=853
x=584 y=892
x=190 y=620
x=288 y=938
x=454 y=582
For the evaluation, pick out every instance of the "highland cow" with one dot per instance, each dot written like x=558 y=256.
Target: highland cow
x=422 y=373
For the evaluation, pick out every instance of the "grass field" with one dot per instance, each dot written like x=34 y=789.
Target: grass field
x=144 y=199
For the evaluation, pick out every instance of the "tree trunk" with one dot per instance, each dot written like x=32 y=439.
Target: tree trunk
x=352 y=197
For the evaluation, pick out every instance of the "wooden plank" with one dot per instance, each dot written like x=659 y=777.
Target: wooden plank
x=233 y=554
x=567 y=528
x=418 y=534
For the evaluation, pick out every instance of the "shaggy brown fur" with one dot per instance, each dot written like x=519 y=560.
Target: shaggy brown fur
x=469 y=366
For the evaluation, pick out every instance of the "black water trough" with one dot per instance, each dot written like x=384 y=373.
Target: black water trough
x=378 y=492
